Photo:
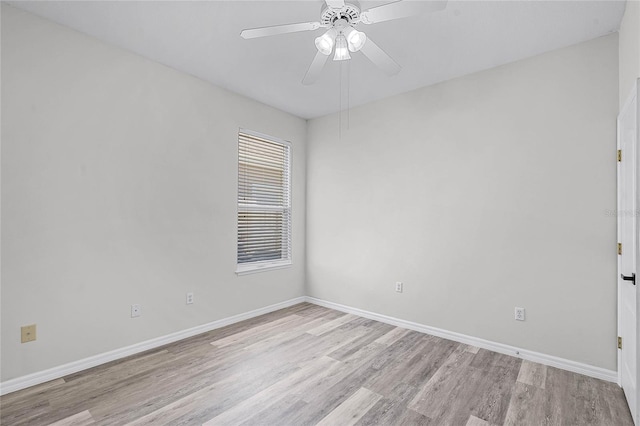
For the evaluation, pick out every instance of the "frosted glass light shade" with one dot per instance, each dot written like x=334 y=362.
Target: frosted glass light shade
x=342 y=51
x=355 y=40
x=325 y=42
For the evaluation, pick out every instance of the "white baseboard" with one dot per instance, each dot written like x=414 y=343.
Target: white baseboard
x=553 y=361
x=83 y=364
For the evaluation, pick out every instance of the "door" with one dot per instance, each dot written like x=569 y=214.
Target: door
x=628 y=251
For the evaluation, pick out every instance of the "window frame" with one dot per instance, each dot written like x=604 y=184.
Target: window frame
x=265 y=265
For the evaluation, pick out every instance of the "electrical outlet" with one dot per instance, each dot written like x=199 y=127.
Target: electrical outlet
x=135 y=311
x=520 y=314
x=189 y=298
x=28 y=333
x=399 y=287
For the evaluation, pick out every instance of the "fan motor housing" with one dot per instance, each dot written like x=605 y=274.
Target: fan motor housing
x=349 y=12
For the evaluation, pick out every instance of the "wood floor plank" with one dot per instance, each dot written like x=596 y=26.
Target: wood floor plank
x=468 y=384
x=33 y=391
x=424 y=365
x=259 y=330
x=314 y=311
x=267 y=342
x=349 y=412
x=344 y=379
x=527 y=408
x=409 y=417
x=392 y=409
x=574 y=398
x=392 y=336
x=106 y=401
x=270 y=362
x=81 y=419
x=610 y=398
x=27 y=404
x=472 y=349
x=234 y=328
x=321 y=329
x=218 y=397
x=307 y=364
x=324 y=399
x=21 y=412
x=432 y=399
x=532 y=373
x=318 y=385
x=226 y=382
x=107 y=376
x=370 y=335
x=273 y=414
x=399 y=351
x=168 y=413
x=474 y=421
x=494 y=376
x=273 y=394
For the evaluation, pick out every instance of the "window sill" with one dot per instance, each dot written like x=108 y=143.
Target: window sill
x=261 y=267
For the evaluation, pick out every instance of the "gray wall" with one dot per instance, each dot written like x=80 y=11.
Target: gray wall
x=119 y=187
x=482 y=193
x=629 y=48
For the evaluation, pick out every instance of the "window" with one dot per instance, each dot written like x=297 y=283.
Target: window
x=264 y=202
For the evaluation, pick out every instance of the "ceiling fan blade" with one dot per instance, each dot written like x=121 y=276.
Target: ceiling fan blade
x=279 y=29
x=315 y=69
x=335 y=4
x=380 y=58
x=400 y=9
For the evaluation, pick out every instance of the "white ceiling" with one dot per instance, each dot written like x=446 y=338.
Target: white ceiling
x=202 y=39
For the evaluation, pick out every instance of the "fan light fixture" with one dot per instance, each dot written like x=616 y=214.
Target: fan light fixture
x=342 y=51
x=355 y=39
x=325 y=42
x=345 y=38
x=340 y=17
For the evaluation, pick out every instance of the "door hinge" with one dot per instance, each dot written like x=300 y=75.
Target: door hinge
x=619 y=155
x=619 y=248
x=619 y=342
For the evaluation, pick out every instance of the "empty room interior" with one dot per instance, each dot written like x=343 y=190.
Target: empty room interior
x=320 y=212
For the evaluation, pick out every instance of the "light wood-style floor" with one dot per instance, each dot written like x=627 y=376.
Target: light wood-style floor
x=309 y=365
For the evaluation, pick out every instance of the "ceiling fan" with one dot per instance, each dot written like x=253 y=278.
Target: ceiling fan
x=341 y=18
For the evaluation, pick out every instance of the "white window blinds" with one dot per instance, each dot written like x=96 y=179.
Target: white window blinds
x=264 y=201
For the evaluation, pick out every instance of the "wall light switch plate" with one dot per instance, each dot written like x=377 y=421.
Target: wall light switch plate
x=189 y=298
x=28 y=333
x=399 y=287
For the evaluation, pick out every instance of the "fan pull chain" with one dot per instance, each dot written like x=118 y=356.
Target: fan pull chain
x=340 y=105
x=348 y=94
